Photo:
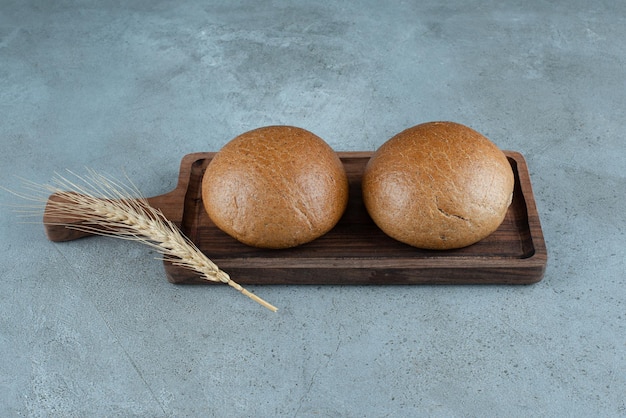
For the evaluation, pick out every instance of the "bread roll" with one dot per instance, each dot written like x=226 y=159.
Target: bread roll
x=438 y=185
x=275 y=187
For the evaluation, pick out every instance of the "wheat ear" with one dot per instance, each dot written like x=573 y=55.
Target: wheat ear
x=108 y=207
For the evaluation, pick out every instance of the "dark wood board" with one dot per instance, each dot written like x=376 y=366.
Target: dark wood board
x=356 y=251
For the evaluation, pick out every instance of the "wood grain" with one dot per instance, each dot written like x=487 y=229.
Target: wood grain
x=356 y=251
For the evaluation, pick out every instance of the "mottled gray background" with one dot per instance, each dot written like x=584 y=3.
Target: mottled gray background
x=92 y=328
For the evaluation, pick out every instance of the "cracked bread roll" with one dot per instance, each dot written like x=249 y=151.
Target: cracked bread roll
x=438 y=185
x=275 y=187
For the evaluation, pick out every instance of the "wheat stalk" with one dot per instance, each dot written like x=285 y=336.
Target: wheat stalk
x=107 y=207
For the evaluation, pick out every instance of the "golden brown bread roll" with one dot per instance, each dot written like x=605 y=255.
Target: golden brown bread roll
x=438 y=185
x=275 y=187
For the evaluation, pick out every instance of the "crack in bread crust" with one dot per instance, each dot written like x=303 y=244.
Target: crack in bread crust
x=452 y=215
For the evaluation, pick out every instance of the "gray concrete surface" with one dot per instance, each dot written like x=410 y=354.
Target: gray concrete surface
x=92 y=328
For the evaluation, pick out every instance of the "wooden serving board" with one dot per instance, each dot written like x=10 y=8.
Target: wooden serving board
x=356 y=251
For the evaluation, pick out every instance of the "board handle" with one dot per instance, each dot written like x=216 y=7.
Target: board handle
x=60 y=226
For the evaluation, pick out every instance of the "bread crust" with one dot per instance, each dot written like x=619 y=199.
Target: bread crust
x=438 y=185
x=275 y=187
